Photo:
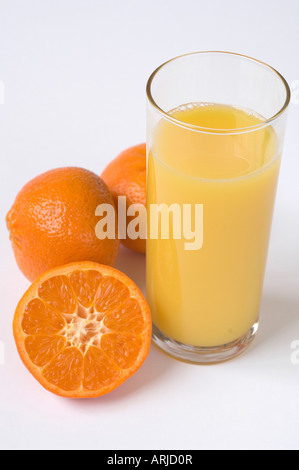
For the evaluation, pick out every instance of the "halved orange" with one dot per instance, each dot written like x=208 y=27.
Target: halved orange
x=83 y=329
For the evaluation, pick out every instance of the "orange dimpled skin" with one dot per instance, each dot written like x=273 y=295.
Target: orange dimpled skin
x=82 y=329
x=52 y=221
x=126 y=176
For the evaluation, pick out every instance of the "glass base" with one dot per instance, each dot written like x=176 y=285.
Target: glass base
x=204 y=355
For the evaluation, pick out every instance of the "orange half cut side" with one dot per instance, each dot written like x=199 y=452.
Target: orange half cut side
x=83 y=329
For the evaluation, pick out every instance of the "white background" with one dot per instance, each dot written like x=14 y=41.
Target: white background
x=74 y=74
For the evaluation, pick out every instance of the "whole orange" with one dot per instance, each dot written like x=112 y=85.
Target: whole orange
x=52 y=221
x=126 y=176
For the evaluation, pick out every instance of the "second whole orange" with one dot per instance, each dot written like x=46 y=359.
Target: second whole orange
x=126 y=176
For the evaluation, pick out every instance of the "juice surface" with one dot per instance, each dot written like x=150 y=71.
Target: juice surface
x=211 y=296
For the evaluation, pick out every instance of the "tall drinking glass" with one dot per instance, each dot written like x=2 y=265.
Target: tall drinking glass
x=215 y=130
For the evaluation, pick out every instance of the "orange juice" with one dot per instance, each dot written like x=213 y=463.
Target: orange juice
x=211 y=296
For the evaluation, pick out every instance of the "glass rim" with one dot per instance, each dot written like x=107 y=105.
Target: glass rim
x=207 y=130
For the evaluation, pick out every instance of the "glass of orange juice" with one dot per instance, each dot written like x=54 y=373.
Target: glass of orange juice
x=215 y=130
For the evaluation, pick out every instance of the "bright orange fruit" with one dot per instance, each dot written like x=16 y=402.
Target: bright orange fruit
x=126 y=176
x=82 y=329
x=52 y=221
